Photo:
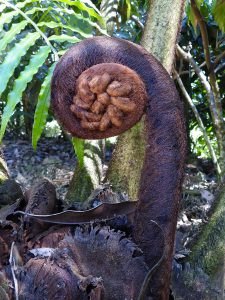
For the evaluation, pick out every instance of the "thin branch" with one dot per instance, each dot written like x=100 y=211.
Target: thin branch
x=221 y=66
x=137 y=21
x=217 y=60
x=188 y=57
x=199 y=120
x=14 y=7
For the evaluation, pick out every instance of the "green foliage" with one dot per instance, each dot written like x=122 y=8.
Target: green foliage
x=13 y=57
x=34 y=33
x=20 y=84
x=219 y=14
x=15 y=29
x=78 y=145
x=41 y=112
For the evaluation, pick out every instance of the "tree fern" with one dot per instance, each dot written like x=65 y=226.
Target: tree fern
x=41 y=111
x=20 y=84
x=13 y=57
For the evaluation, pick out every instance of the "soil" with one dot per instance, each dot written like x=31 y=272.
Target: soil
x=54 y=159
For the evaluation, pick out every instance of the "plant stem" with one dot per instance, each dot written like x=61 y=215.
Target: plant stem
x=200 y=123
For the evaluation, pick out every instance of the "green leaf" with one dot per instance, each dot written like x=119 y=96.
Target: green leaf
x=53 y=24
x=7 y=18
x=9 y=35
x=199 y=3
x=42 y=107
x=81 y=6
x=83 y=19
x=13 y=57
x=34 y=10
x=64 y=38
x=2 y=7
x=128 y=4
x=191 y=16
x=22 y=4
x=20 y=84
x=219 y=14
x=78 y=146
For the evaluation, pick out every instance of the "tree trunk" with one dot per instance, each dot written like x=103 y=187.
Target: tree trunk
x=203 y=275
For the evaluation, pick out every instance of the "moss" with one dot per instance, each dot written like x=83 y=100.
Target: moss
x=209 y=251
x=3 y=177
x=125 y=167
x=87 y=177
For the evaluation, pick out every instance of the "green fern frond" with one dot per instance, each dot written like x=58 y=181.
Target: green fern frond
x=64 y=38
x=78 y=146
x=42 y=107
x=13 y=57
x=81 y=6
x=6 y=18
x=83 y=19
x=9 y=35
x=20 y=84
x=22 y=4
x=53 y=25
x=34 y=10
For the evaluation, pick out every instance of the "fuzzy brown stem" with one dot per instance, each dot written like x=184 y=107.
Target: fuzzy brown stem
x=160 y=188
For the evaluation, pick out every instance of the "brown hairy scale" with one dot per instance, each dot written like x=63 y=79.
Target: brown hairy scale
x=109 y=98
x=106 y=100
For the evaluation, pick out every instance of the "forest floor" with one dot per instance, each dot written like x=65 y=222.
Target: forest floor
x=55 y=160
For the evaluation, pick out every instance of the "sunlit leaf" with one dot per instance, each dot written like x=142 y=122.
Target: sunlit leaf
x=20 y=84
x=84 y=7
x=128 y=4
x=219 y=14
x=13 y=57
x=64 y=38
x=53 y=24
x=78 y=145
x=42 y=107
x=9 y=35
